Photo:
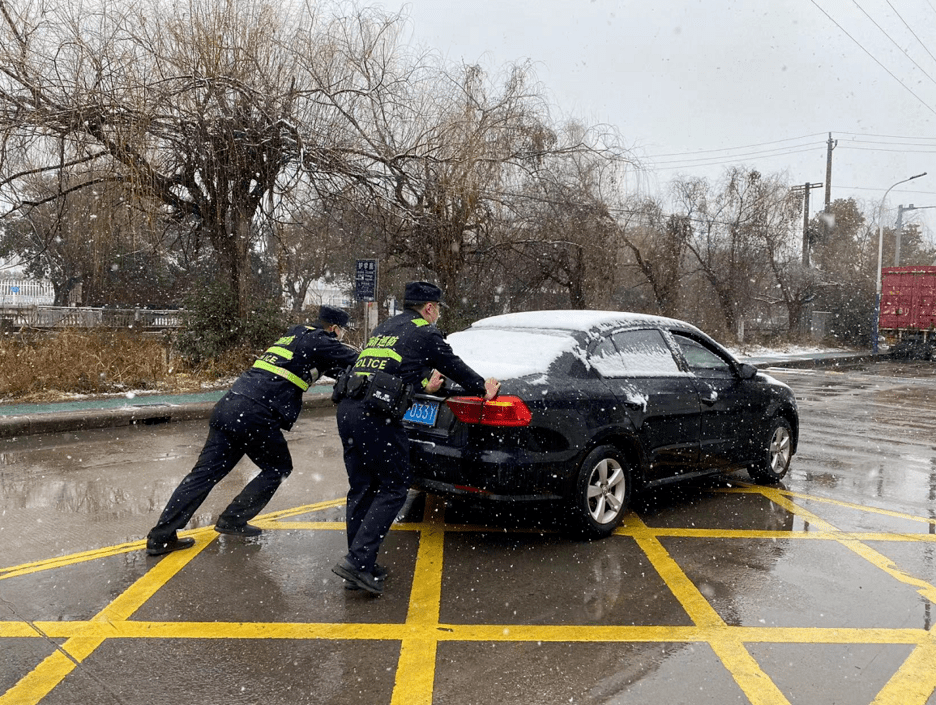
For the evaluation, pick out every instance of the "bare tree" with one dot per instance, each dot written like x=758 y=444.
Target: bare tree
x=775 y=228
x=560 y=242
x=205 y=108
x=92 y=246
x=457 y=148
x=657 y=243
x=727 y=243
x=477 y=139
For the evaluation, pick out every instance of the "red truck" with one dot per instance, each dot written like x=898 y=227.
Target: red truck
x=908 y=311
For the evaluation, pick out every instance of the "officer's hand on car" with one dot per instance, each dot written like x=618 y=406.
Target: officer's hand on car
x=436 y=380
x=491 y=389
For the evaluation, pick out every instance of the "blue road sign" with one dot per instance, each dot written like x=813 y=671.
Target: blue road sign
x=365 y=280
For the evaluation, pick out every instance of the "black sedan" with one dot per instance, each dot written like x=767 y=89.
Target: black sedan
x=594 y=404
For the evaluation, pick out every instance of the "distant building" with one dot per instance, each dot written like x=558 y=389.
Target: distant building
x=321 y=293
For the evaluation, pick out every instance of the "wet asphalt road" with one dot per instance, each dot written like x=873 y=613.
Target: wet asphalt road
x=816 y=591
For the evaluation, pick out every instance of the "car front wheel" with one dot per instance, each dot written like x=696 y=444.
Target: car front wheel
x=602 y=491
x=775 y=454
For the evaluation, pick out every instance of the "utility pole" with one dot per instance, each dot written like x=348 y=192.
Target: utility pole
x=830 y=145
x=804 y=189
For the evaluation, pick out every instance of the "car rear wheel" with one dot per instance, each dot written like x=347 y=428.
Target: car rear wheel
x=602 y=491
x=775 y=454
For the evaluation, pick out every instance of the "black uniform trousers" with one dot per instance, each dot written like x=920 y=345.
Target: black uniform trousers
x=239 y=426
x=376 y=455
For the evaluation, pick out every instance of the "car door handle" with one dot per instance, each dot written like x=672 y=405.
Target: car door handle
x=710 y=399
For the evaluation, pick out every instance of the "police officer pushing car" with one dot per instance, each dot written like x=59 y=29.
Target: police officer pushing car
x=405 y=354
x=249 y=420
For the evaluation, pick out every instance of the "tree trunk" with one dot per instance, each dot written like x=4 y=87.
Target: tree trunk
x=242 y=262
x=795 y=315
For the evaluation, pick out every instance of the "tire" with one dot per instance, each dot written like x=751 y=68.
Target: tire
x=775 y=453
x=602 y=492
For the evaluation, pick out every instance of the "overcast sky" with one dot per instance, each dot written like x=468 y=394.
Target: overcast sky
x=694 y=86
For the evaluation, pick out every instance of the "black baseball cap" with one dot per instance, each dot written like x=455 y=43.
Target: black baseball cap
x=333 y=316
x=419 y=292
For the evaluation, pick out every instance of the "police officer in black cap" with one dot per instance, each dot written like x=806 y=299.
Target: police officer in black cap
x=406 y=353
x=249 y=420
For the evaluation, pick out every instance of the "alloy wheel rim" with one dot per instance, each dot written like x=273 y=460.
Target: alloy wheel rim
x=607 y=486
x=779 y=449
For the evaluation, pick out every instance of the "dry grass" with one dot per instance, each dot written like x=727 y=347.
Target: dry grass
x=53 y=366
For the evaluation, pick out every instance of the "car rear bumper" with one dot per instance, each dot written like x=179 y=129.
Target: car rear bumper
x=450 y=490
x=491 y=474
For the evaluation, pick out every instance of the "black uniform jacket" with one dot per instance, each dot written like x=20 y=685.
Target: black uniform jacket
x=409 y=347
x=280 y=376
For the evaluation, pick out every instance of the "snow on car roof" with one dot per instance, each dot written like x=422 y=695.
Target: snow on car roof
x=527 y=343
x=571 y=320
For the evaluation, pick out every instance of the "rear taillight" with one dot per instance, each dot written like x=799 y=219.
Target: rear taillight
x=503 y=411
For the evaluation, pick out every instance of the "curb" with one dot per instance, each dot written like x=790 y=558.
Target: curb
x=143 y=414
x=830 y=360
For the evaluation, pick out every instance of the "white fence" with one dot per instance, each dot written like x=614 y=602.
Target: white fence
x=85 y=317
x=16 y=293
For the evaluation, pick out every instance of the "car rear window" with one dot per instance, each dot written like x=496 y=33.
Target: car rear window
x=507 y=353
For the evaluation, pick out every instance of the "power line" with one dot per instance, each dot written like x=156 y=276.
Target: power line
x=897 y=190
x=780 y=151
x=731 y=149
x=930 y=150
x=726 y=154
x=729 y=160
x=889 y=72
x=892 y=40
x=893 y=137
x=921 y=42
x=929 y=145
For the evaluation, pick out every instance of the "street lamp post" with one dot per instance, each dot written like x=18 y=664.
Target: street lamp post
x=880 y=262
x=901 y=209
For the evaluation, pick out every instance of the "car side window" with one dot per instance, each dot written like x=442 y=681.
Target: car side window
x=633 y=353
x=605 y=359
x=702 y=361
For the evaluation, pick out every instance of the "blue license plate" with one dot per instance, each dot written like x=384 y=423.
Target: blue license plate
x=422 y=412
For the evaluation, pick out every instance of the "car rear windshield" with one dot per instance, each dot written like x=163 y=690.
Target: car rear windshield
x=506 y=353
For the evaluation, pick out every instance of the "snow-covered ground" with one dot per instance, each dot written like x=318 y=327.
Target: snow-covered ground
x=782 y=351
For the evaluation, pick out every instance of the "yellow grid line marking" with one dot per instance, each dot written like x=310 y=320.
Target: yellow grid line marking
x=41 y=680
x=130 y=629
x=846 y=505
x=875 y=558
x=415 y=675
x=914 y=681
x=754 y=683
x=419 y=636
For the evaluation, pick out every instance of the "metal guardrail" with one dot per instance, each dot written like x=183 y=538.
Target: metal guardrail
x=87 y=317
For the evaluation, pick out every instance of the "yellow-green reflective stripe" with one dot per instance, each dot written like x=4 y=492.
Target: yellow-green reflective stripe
x=282 y=373
x=282 y=352
x=420 y=322
x=381 y=352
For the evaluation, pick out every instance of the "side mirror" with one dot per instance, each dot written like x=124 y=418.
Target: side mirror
x=747 y=371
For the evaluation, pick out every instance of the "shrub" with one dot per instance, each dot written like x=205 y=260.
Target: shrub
x=210 y=326
x=213 y=329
